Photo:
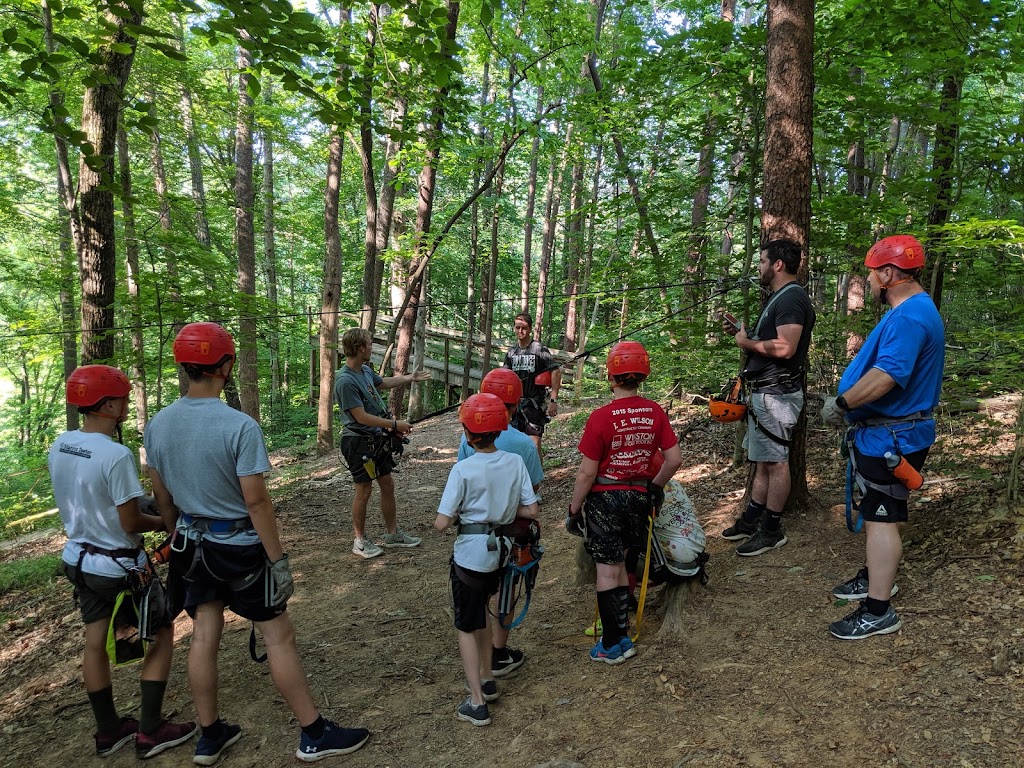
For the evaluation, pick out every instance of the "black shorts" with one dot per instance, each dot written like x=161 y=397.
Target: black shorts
x=879 y=507
x=95 y=594
x=470 y=595
x=234 y=575
x=615 y=520
x=358 y=453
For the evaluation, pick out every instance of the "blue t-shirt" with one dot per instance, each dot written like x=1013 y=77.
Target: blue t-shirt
x=909 y=345
x=512 y=440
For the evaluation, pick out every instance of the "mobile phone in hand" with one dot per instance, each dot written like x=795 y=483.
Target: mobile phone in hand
x=731 y=320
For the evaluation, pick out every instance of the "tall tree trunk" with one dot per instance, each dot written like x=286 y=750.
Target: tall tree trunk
x=97 y=252
x=389 y=183
x=69 y=224
x=424 y=212
x=574 y=257
x=131 y=253
x=365 y=86
x=947 y=135
x=245 y=239
x=331 y=295
x=531 y=203
x=553 y=201
x=195 y=160
x=270 y=261
x=786 y=195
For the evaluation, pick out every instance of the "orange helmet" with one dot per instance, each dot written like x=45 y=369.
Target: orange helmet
x=902 y=251
x=729 y=406
x=725 y=412
x=628 y=357
x=543 y=379
x=203 y=344
x=504 y=383
x=483 y=413
x=88 y=384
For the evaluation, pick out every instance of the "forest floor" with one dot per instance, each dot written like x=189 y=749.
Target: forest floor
x=753 y=679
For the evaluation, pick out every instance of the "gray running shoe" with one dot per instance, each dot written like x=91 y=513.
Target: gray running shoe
x=857 y=587
x=471 y=713
x=366 y=548
x=741 y=529
x=762 y=541
x=861 y=624
x=401 y=539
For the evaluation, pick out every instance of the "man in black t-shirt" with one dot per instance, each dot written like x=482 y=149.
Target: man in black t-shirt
x=528 y=359
x=776 y=354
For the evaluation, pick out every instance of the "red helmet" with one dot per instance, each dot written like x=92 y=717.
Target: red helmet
x=543 y=379
x=503 y=383
x=902 y=251
x=628 y=357
x=88 y=384
x=483 y=413
x=203 y=344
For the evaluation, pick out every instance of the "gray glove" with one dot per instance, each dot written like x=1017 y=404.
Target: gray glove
x=284 y=584
x=832 y=414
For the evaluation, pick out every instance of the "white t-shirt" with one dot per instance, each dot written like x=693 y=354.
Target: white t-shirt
x=92 y=475
x=485 y=488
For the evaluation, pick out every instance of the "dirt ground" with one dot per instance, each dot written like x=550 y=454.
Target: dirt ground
x=754 y=679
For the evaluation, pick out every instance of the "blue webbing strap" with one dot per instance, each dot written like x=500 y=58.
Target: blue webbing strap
x=851 y=508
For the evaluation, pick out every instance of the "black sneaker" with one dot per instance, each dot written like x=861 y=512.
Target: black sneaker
x=762 y=541
x=335 y=741
x=489 y=688
x=857 y=587
x=506 y=660
x=861 y=624
x=741 y=529
x=472 y=713
x=209 y=750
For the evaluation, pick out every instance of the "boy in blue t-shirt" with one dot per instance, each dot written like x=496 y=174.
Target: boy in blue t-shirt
x=484 y=494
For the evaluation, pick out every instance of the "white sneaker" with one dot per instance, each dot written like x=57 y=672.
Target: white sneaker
x=366 y=548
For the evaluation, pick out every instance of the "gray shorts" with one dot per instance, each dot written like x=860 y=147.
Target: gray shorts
x=778 y=414
x=96 y=595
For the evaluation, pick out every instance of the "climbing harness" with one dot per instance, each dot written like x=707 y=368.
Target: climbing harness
x=520 y=575
x=856 y=481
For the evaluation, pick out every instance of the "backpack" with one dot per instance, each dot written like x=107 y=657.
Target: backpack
x=678 y=544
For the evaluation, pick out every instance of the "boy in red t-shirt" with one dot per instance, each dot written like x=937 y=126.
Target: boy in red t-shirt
x=616 y=489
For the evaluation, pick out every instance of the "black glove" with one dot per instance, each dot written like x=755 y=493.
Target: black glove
x=574 y=524
x=284 y=584
x=656 y=496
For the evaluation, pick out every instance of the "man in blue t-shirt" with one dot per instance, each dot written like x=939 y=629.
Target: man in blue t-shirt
x=888 y=394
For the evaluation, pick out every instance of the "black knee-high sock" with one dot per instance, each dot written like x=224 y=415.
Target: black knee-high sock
x=607 y=607
x=622 y=609
x=772 y=520
x=753 y=512
x=103 y=709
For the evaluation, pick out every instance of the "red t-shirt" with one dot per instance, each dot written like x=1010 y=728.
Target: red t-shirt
x=622 y=436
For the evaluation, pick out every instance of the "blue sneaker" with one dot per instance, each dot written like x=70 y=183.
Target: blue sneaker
x=628 y=649
x=208 y=750
x=611 y=655
x=335 y=741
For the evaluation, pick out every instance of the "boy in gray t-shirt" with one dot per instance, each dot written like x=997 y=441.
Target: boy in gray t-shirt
x=364 y=419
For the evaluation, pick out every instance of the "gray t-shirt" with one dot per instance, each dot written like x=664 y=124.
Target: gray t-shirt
x=201 y=446
x=354 y=389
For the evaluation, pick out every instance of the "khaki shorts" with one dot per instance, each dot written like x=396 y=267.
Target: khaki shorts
x=777 y=413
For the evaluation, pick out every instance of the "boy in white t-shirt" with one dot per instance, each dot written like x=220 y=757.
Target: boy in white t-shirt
x=484 y=493
x=96 y=487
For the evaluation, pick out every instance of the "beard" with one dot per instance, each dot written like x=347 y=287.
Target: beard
x=765 y=278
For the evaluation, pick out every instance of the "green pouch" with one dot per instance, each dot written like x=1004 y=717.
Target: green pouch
x=124 y=643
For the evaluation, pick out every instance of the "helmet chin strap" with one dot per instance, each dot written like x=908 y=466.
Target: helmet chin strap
x=883 y=290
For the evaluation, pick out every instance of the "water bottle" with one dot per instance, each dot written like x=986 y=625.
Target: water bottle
x=903 y=471
x=370 y=466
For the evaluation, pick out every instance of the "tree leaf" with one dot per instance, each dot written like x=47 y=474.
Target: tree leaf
x=10 y=35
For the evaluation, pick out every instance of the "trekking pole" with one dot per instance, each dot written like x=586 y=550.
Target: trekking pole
x=647 y=573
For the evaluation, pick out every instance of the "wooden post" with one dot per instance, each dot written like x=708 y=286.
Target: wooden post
x=447 y=357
